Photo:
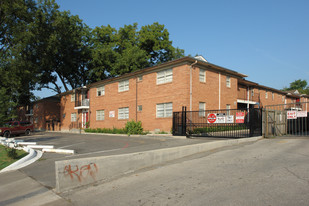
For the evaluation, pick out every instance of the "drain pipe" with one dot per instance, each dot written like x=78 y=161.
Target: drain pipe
x=191 y=66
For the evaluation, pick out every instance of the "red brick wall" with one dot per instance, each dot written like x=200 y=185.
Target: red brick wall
x=46 y=111
x=149 y=94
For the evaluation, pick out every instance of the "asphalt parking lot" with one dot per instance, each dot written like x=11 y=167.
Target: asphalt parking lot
x=91 y=145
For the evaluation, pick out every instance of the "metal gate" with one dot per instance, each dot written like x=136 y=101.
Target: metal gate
x=286 y=119
x=218 y=123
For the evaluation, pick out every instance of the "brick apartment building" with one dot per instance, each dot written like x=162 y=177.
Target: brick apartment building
x=44 y=114
x=151 y=95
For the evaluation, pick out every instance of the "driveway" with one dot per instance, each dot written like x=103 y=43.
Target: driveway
x=91 y=145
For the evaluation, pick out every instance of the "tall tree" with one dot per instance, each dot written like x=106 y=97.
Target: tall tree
x=129 y=49
x=16 y=79
x=300 y=85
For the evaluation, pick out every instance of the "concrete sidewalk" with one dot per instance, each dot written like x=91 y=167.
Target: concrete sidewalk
x=16 y=188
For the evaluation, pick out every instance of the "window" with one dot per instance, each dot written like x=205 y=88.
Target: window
x=282 y=98
x=228 y=81
x=73 y=117
x=72 y=97
x=273 y=95
x=140 y=78
x=202 y=106
x=100 y=114
x=123 y=113
x=123 y=86
x=101 y=91
x=202 y=75
x=139 y=108
x=165 y=76
x=252 y=92
x=266 y=95
x=228 y=107
x=164 y=110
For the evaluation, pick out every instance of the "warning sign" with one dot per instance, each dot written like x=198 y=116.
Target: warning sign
x=220 y=118
x=230 y=119
x=302 y=114
x=211 y=118
x=240 y=117
x=291 y=114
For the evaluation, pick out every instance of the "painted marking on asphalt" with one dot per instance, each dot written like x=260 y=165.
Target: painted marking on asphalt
x=89 y=153
x=71 y=145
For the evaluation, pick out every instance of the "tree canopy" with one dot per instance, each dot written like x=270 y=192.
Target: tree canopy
x=41 y=46
x=300 y=85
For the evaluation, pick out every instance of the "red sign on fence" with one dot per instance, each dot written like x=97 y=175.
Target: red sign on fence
x=240 y=117
x=212 y=118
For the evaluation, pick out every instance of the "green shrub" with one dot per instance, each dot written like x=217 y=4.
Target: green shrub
x=11 y=153
x=133 y=127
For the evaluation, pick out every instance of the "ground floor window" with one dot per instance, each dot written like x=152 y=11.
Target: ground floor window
x=123 y=113
x=165 y=110
x=100 y=115
x=73 y=117
x=202 y=108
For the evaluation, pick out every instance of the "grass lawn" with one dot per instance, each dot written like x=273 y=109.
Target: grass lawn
x=5 y=160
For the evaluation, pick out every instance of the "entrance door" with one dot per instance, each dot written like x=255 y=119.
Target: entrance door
x=85 y=119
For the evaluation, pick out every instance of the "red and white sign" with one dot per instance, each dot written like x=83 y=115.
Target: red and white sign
x=240 y=117
x=291 y=114
x=301 y=113
x=212 y=118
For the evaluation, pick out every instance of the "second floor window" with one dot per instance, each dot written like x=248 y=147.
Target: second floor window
x=123 y=86
x=202 y=75
x=228 y=81
x=101 y=91
x=165 y=76
x=73 y=97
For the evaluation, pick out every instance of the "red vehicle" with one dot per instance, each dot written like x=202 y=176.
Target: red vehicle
x=16 y=128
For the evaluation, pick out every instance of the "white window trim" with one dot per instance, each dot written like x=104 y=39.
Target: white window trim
x=165 y=76
x=228 y=81
x=100 y=115
x=123 y=113
x=73 y=97
x=73 y=117
x=166 y=110
x=102 y=90
x=123 y=86
x=202 y=110
x=202 y=75
x=228 y=108
x=266 y=95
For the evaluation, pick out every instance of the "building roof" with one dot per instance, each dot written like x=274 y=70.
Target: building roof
x=201 y=61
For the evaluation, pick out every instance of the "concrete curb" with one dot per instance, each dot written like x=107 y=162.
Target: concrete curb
x=78 y=172
x=25 y=161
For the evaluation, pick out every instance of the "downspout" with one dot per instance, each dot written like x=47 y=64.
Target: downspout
x=248 y=106
x=191 y=66
x=219 y=90
x=136 y=99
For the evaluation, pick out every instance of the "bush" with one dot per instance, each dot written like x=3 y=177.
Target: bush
x=11 y=153
x=133 y=127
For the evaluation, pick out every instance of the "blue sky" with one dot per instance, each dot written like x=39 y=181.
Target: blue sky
x=268 y=40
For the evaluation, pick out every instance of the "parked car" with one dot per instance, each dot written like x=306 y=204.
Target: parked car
x=16 y=128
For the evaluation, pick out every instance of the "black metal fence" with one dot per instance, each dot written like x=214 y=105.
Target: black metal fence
x=218 y=123
x=286 y=119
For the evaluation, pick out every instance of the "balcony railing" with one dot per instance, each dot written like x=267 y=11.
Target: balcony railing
x=243 y=95
x=82 y=103
x=29 y=112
